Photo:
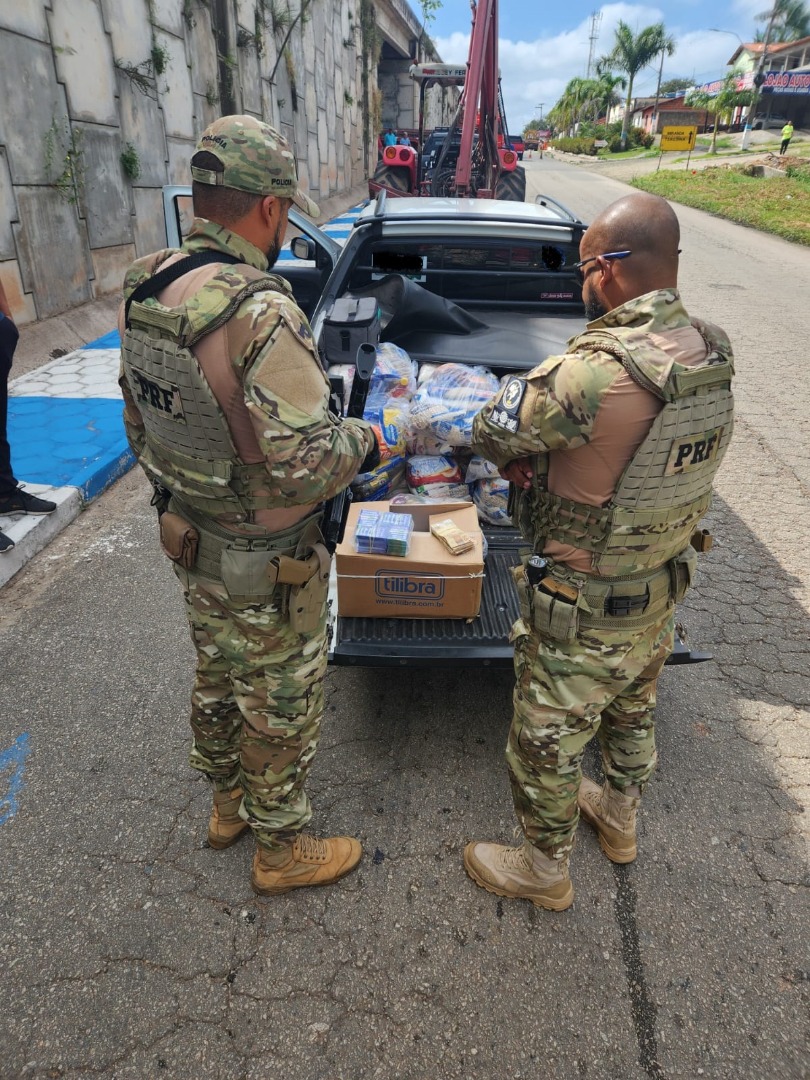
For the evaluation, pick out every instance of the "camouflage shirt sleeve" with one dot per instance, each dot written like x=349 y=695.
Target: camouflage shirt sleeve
x=553 y=407
x=310 y=454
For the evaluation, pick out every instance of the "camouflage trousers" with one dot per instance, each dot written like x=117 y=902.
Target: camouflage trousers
x=604 y=682
x=256 y=705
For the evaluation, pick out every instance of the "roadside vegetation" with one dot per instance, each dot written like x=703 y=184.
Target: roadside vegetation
x=778 y=204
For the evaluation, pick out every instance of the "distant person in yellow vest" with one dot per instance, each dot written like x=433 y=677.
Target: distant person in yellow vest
x=787 y=135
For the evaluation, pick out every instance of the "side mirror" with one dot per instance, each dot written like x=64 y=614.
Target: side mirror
x=303 y=248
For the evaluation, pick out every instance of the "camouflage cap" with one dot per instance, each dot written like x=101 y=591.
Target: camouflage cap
x=255 y=157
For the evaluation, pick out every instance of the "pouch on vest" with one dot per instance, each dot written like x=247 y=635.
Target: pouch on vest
x=348 y=324
x=555 y=611
x=245 y=575
x=178 y=539
x=682 y=573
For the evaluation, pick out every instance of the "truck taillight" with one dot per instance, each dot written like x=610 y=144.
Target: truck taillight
x=390 y=153
x=509 y=158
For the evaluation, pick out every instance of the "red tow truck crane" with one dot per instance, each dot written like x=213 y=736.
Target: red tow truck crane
x=463 y=159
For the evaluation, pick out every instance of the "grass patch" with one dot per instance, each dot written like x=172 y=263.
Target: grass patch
x=778 y=205
x=624 y=155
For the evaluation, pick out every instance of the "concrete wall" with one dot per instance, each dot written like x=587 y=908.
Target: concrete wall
x=83 y=80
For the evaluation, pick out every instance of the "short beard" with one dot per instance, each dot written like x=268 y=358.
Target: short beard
x=274 y=250
x=594 y=309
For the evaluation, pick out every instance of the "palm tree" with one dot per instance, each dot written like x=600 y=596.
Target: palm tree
x=632 y=52
x=605 y=95
x=720 y=104
x=790 y=23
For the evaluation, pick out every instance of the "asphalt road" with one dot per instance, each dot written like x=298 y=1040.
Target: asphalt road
x=130 y=950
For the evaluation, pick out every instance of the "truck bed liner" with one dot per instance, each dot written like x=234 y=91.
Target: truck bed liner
x=435 y=642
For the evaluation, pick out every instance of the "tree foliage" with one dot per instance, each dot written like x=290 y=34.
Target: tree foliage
x=632 y=52
x=720 y=105
x=791 y=21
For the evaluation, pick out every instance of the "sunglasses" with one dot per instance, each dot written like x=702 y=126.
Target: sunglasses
x=608 y=255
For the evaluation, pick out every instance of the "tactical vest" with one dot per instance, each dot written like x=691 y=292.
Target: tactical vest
x=189 y=448
x=666 y=486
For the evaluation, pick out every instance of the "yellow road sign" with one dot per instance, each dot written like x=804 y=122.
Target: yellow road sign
x=678 y=138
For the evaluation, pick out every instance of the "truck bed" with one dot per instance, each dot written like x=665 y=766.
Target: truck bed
x=438 y=642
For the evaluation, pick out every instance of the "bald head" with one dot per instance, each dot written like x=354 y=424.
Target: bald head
x=646 y=226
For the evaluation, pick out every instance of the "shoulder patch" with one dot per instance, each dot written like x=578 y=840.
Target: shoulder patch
x=513 y=395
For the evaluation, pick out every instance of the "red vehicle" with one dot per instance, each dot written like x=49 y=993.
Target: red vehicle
x=465 y=158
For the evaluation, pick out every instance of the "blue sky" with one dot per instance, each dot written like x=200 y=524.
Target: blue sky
x=544 y=44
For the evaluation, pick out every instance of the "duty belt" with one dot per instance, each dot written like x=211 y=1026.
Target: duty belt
x=214 y=539
x=632 y=601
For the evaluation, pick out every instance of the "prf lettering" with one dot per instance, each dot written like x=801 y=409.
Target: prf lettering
x=159 y=395
x=686 y=455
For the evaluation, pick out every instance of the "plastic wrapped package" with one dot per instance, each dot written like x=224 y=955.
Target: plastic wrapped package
x=479 y=468
x=438 y=477
x=394 y=376
x=408 y=498
x=390 y=425
x=444 y=406
x=380 y=533
x=388 y=477
x=490 y=498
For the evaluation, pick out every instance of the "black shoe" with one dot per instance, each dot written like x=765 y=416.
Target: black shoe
x=20 y=502
x=6 y=543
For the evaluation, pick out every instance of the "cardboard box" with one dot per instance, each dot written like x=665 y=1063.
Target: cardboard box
x=428 y=583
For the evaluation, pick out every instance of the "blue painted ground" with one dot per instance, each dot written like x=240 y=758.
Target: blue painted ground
x=12 y=770
x=68 y=442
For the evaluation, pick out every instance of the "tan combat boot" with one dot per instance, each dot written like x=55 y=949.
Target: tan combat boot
x=522 y=872
x=613 y=815
x=308 y=861
x=225 y=826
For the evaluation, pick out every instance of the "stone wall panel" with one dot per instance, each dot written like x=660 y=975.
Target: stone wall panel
x=8 y=210
x=25 y=17
x=168 y=14
x=180 y=154
x=175 y=94
x=32 y=102
x=83 y=60
x=148 y=226
x=53 y=254
x=251 y=85
x=110 y=265
x=142 y=126
x=21 y=303
x=129 y=29
x=105 y=198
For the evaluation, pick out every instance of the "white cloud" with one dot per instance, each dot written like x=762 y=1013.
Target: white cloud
x=537 y=71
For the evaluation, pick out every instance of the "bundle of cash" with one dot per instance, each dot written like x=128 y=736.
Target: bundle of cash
x=379 y=533
x=454 y=539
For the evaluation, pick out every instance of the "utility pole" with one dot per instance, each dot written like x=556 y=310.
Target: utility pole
x=596 y=20
x=658 y=93
x=759 y=79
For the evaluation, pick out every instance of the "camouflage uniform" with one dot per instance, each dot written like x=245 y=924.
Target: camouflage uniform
x=597 y=674
x=257 y=700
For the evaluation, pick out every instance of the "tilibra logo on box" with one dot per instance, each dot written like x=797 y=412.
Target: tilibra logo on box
x=404 y=587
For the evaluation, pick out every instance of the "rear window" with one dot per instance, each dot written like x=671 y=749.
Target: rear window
x=512 y=272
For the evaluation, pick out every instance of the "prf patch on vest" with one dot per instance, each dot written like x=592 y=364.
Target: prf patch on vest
x=505 y=415
x=157 y=394
x=688 y=454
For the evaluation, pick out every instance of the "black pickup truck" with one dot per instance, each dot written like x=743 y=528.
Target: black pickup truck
x=508 y=264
